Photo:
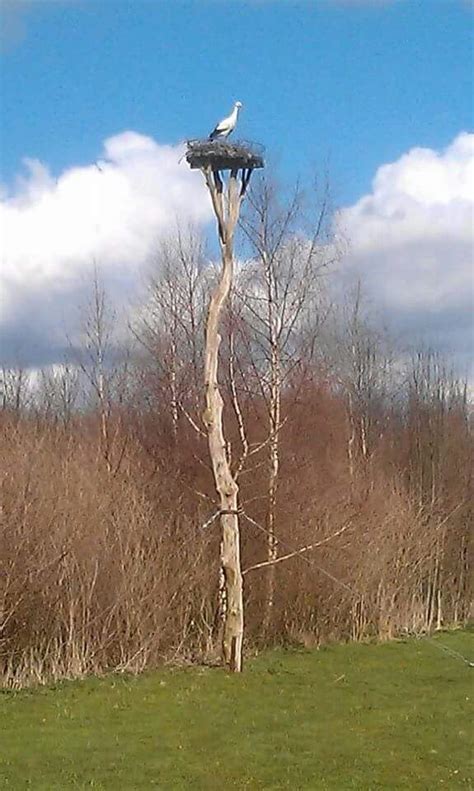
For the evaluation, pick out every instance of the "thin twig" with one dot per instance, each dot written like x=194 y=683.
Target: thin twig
x=191 y=420
x=298 y=551
x=306 y=560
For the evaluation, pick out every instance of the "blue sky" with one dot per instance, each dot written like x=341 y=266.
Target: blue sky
x=378 y=93
x=345 y=84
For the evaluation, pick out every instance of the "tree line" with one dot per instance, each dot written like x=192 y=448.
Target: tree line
x=352 y=457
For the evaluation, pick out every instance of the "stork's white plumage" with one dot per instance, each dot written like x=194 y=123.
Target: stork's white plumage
x=227 y=125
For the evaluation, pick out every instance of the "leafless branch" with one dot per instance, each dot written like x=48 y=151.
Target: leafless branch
x=300 y=551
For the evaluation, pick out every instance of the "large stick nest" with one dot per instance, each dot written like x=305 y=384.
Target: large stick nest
x=223 y=155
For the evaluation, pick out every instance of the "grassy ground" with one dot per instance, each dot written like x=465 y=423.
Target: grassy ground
x=392 y=716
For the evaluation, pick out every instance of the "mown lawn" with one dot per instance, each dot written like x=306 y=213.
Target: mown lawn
x=392 y=716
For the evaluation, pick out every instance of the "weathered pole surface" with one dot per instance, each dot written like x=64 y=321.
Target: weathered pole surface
x=226 y=208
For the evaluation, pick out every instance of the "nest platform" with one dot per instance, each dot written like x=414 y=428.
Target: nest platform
x=223 y=155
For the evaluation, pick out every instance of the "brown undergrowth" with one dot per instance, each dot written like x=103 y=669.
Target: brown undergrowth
x=107 y=566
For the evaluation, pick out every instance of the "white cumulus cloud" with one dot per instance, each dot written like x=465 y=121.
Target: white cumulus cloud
x=52 y=230
x=411 y=241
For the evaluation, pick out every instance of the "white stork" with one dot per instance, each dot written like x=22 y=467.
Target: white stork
x=227 y=125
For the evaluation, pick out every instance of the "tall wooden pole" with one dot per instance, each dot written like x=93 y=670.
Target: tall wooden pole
x=226 y=207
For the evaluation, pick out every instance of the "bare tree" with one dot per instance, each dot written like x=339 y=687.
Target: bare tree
x=58 y=392
x=98 y=360
x=171 y=327
x=15 y=388
x=227 y=215
x=280 y=290
x=437 y=416
x=360 y=358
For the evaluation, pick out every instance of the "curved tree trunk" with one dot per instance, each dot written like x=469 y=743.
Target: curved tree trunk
x=226 y=485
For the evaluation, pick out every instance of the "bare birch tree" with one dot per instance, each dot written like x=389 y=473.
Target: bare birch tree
x=360 y=358
x=105 y=375
x=15 y=388
x=59 y=392
x=171 y=327
x=280 y=289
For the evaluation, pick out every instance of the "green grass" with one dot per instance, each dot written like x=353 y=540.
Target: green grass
x=391 y=716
